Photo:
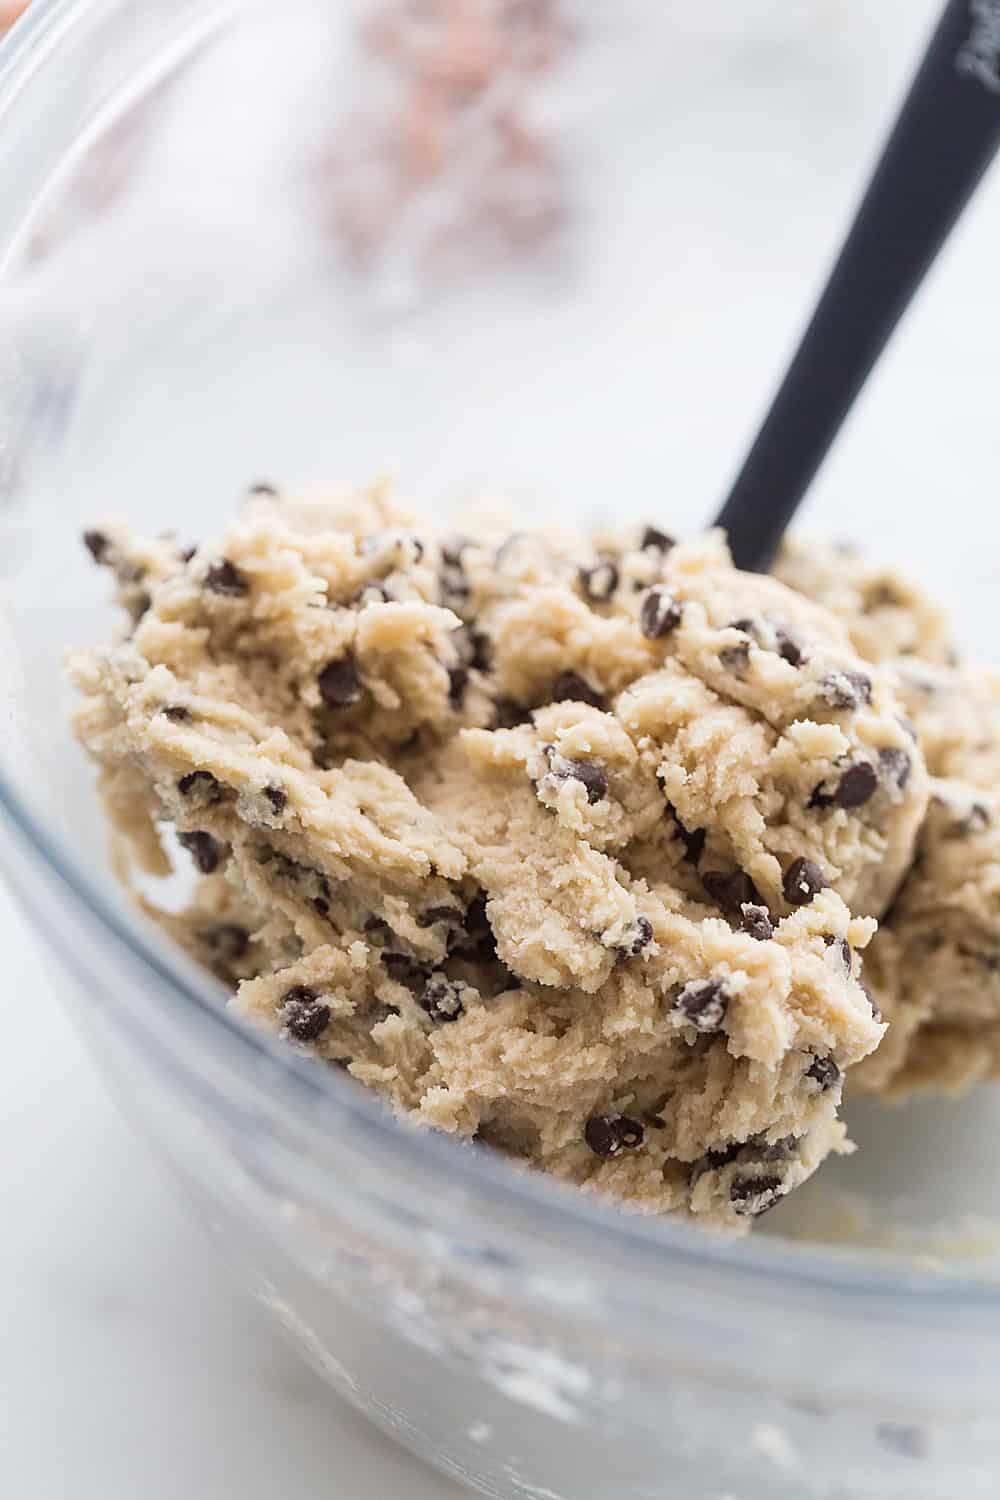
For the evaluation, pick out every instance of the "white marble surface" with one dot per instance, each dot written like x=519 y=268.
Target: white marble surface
x=129 y=1364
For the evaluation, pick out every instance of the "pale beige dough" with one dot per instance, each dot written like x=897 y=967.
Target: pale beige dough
x=934 y=965
x=887 y=614
x=569 y=845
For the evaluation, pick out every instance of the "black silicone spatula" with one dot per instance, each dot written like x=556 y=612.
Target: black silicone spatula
x=942 y=142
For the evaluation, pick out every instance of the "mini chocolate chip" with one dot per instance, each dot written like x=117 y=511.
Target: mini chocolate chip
x=403 y=969
x=896 y=764
x=202 y=848
x=756 y=921
x=570 y=687
x=262 y=487
x=610 y=1135
x=224 y=578
x=659 y=614
x=482 y=651
x=451 y=914
x=458 y=681
x=320 y=904
x=846 y=689
x=479 y=935
x=736 y=658
x=857 y=785
x=508 y=715
x=643 y=936
x=714 y=1159
x=304 y=1015
x=97 y=544
x=824 y=1071
x=876 y=1012
x=704 y=1003
x=694 y=842
x=843 y=948
x=819 y=798
x=277 y=796
x=377 y=926
x=600 y=581
x=227 y=940
x=441 y=998
x=339 y=683
x=654 y=540
x=803 y=880
x=788 y=647
x=721 y=1156
x=176 y=711
x=732 y=891
x=202 y=782
x=591 y=775
x=753 y=1196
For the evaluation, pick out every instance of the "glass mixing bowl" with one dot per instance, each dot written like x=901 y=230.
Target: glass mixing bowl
x=301 y=241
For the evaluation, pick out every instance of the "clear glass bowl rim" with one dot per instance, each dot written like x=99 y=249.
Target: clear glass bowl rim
x=594 y=1229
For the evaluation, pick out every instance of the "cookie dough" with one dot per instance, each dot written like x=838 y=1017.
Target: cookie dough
x=889 y=618
x=934 y=965
x=571 y=846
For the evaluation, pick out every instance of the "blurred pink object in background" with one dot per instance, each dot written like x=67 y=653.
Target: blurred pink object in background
x=455 y=151
x=9 y=12
x=453 y=157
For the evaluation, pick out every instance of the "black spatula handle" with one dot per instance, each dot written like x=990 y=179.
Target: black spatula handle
x=942 y=142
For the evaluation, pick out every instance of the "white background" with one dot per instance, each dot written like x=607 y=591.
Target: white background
x=129 y=1365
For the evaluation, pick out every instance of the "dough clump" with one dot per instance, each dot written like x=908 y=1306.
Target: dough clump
x=571 y=845
x=934 y=965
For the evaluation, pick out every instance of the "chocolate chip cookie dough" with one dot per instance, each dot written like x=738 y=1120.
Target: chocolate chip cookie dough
x=569 y=845
x=934 y=965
